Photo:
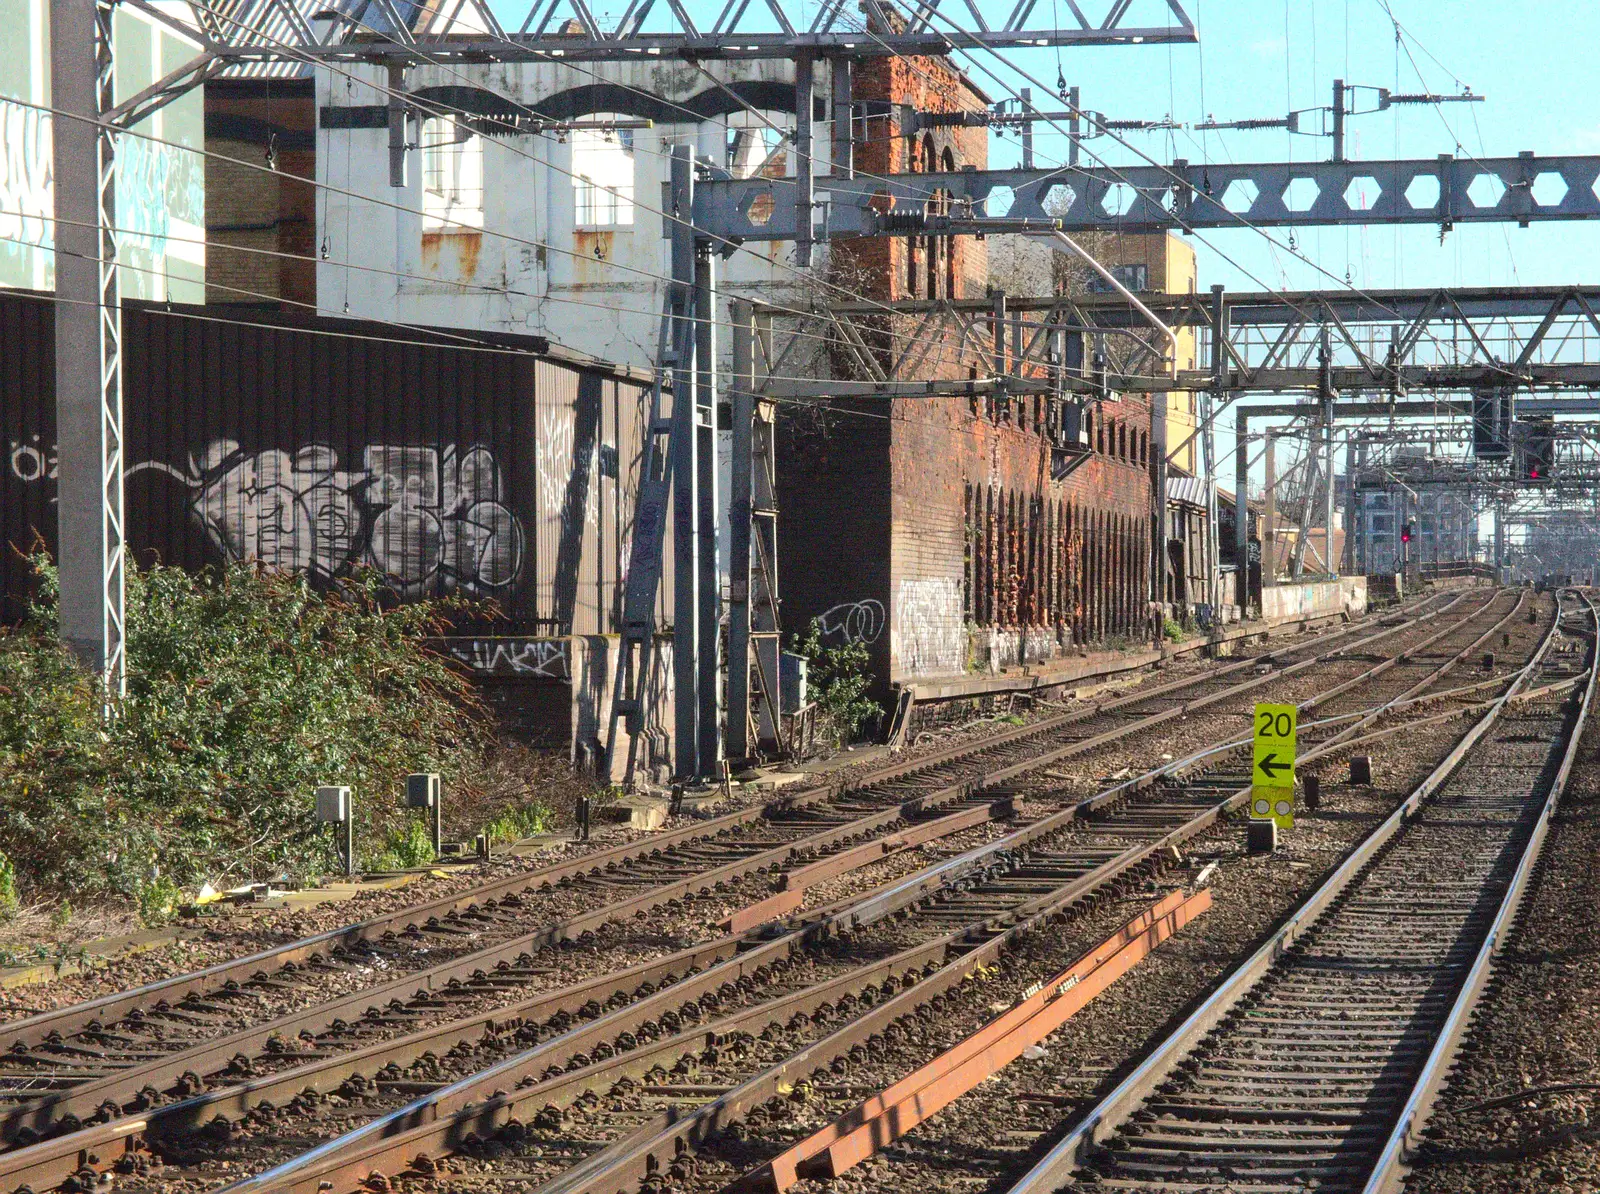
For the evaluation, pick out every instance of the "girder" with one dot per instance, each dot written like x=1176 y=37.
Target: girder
x=254 y=31
x=1444 y=191
x=1392 y=341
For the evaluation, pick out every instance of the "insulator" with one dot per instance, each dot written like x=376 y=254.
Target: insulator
x=903 y=221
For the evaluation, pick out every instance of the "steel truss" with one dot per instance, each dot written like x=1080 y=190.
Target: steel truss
x=245 y=33
x=88 y=343
x=251 y=37
x=1392 y=341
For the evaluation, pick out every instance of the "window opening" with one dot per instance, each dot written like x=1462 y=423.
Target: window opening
x=602 y=177
x=452 y=176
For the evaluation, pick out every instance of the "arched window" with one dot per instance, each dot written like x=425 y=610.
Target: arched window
x=602 y=175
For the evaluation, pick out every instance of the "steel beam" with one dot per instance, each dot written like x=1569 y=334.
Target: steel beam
x=468 y=31
x=1444 y=339
x=1148 y=198
x=708 y=661
x=741 y=401
x=88 y=341
x=685 y=477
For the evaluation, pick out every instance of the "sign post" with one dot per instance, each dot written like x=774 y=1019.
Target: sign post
x=1272 y=773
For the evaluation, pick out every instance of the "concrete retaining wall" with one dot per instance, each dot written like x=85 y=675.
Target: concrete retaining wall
x=1284 y=603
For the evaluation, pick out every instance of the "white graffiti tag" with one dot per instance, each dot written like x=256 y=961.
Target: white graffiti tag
x=513 y=656
x=928 y=634
x=27 y=194
x=853 y=621
x=32 y=462
x=429 y=519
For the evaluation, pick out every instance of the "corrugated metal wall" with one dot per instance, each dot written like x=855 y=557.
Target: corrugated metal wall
x=328 y=446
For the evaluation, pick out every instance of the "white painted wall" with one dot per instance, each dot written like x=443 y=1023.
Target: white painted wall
x=534 y=271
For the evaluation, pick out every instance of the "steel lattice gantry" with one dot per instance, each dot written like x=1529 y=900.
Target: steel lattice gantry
x=246 y=31
x=1445 y=190
x=1389 y=341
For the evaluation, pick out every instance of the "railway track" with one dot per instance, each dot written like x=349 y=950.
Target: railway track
x=1315 y=1065
x=968 y=911
x=653 y=1004
x=136 y=1050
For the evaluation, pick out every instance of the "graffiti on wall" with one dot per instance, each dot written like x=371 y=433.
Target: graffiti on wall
x=929 y=636
x=431 y=520
x=31 y=460
x=853 y=622
x=153 y=186
x=513 y=656
x=27 y=194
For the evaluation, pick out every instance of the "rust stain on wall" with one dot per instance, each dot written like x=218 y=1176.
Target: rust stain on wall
x=593 y=248
x=452 y=255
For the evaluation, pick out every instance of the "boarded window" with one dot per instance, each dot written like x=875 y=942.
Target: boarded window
x=452 y=176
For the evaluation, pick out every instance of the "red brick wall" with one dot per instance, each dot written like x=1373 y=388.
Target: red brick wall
x=882 y=264
x=985 y=540
x=939 y=515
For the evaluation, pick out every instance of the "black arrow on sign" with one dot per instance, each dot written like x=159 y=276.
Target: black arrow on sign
x=1270 y=766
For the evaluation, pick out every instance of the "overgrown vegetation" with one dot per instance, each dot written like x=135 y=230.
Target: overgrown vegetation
x=246 y=690
x=838 y=679
x=8 y=887
x=1172 y=629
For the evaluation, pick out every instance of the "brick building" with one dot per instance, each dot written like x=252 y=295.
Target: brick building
x=262 y=226
x=932 y=528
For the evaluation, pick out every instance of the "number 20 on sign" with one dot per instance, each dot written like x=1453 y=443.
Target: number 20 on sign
x=1272 y=770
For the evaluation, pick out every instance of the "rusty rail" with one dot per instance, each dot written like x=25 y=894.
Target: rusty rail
x=424 y=1132
x=1097 y=1125
x=107 y=1008
x=889 y=1115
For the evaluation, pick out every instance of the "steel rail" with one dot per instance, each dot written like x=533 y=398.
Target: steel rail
x=326 y=1073
x=1055 y=1169
x=97 y=1140
x=132 y=1089
x=213 y=1055
x=74 y=1018
x=1388 y=1175
x=387 y=1145
x=664 y=985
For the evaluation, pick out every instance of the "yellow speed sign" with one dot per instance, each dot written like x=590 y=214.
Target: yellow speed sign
x=1272 y=769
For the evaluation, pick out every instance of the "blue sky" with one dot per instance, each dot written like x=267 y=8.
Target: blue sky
x=1531 y=58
